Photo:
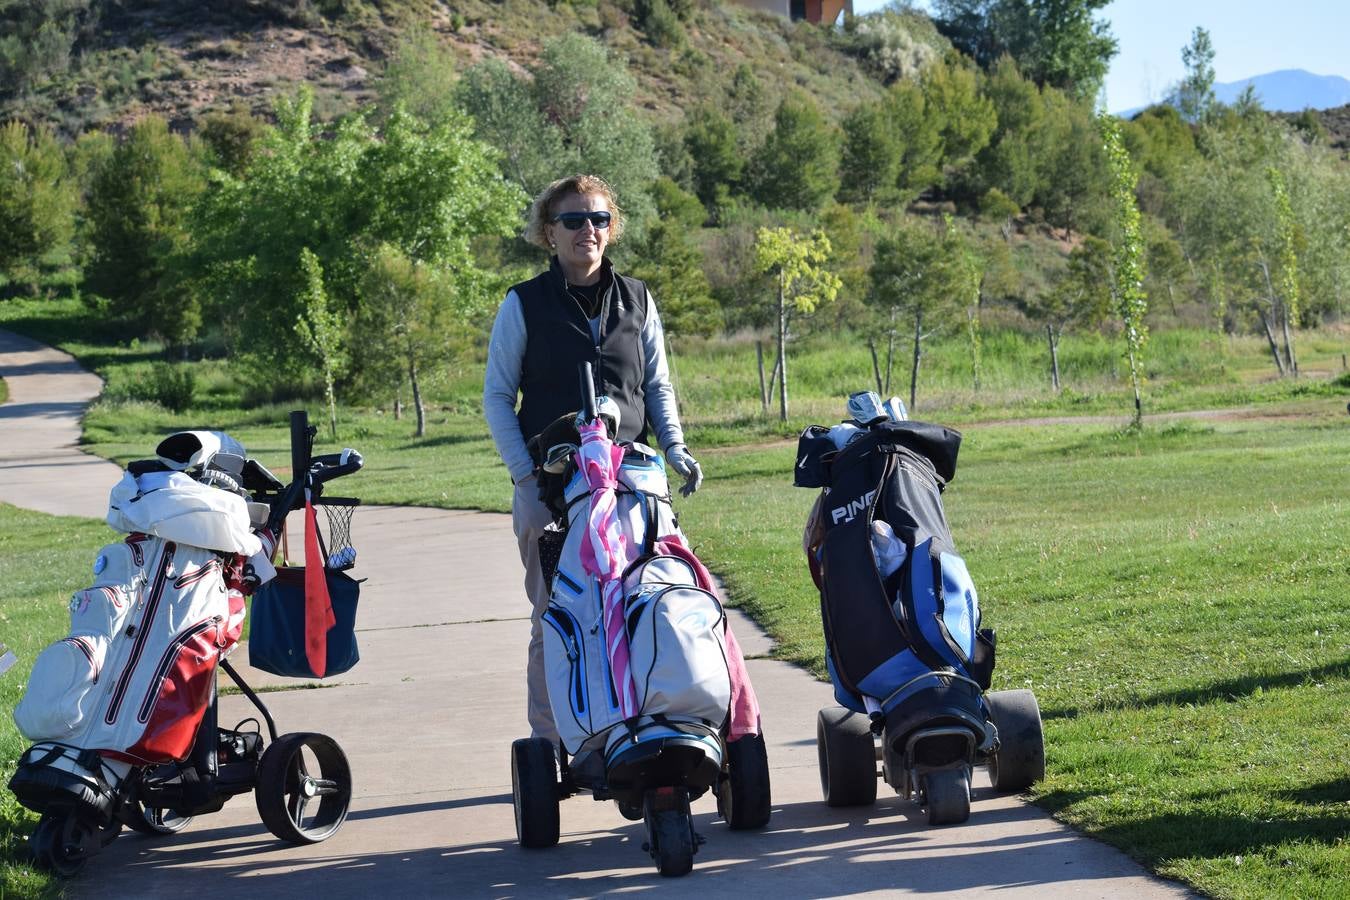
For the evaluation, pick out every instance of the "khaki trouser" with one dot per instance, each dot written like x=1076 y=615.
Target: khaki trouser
x=528 y=517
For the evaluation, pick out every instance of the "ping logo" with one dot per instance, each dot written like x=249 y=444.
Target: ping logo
x=849 y=510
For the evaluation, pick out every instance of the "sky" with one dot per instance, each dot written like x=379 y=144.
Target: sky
x=1250 y=37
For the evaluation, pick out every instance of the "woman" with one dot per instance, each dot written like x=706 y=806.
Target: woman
x=579 y=310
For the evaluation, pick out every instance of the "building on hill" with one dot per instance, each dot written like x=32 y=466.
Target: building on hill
x=828 y=12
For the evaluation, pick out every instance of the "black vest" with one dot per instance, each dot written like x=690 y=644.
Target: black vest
x=558 y=338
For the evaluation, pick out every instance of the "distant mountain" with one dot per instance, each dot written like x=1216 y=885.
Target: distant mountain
x=1288 y=90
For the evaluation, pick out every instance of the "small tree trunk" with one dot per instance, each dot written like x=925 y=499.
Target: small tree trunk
x=674 y=382
x=398 y=403
x=332 y=402
x=417 y=399
x=763 y=387
x=1270 y=336
x=1290 y=361
x=1138 y=402
x=876 y=368
x=1054 y=355
x=973 y=327
x=782 y=351
x=918 y=349
x=890 y=351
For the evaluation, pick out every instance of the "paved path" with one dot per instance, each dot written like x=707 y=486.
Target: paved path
x=427 y=718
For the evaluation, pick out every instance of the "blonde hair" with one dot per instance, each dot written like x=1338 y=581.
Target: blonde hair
x=544 y=206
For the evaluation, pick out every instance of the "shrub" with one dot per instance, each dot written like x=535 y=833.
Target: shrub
x=171 y=386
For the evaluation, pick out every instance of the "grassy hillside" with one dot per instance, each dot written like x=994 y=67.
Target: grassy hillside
x=182 y=59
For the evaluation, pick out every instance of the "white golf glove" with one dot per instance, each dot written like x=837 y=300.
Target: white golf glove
x=686 y=467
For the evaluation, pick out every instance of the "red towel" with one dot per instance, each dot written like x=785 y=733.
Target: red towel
x=318 y=605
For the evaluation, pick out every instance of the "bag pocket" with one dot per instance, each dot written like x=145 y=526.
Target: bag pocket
x=565 y=673
x=677 y=650
x=178 y=693
x=62 y=687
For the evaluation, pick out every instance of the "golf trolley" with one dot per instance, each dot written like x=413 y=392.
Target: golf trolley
x=905 y=649
x=301 y=781
x=638 y=656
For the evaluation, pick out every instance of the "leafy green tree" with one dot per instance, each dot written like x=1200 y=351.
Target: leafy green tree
x=1007 y=163
x=1195 y=94
x=802 y=282
x=37 y=201
x=671 y=264
x=1285 y=296
x=411 y=313
x=1127 y=254
x=419 y=76
x=916 y=274
x=1072 y=175
x=1080 y=296
x=320 y=327
x=1059 y=43
x=798 y=166
x=576 y=113
x=919 y=134
x=428 y=191
x=710 y=139
x=233 y=138
x=870 y=161
x=137 y=222
x=964 y=118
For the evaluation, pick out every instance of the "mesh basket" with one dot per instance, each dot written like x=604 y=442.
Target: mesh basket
x=336 y=533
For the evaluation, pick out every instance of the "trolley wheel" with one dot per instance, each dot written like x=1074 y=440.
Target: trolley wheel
x=153 y=821
x=743 y=797
x=947 y=796
x=670 y=831
x=1020 y=758
x=58 y=846
x=534 y=790
x=847 y=756
x=297 y=769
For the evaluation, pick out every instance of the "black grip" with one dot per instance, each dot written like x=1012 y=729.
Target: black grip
x=588 y=409
x=334 y=465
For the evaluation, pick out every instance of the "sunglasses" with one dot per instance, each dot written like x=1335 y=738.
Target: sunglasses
x=573 y=221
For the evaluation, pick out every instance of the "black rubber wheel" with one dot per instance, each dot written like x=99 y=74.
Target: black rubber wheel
x=847 y=757
x=672 y=832
x=743 y=798
x=52 y=842
x=156 y=822
x=295 y=770
x=947 y=796
x=1020 y=759
x=534 y=790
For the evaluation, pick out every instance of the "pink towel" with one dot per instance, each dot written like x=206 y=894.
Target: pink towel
x=605 y=553
x=744 y=705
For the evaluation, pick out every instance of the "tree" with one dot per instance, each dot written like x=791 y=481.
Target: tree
x=37 y=201
x=1195 y=94
x=916 y=274
x=1079 y=296
x=1007 y=163
x=427 y=191
x=964 y=118
x=233 y=138
x=919 y=135
x=137 y=222
x=672 y=266
x=1059 y=43
x=321 y=329
x=797 y=264
x=798 y=166
x=419 y=76
x=1072 y=176
x=871 y=153
x=411 y=313
x=575 y=113
x=1127 y=254
x=710 y=139
x=1285 y=300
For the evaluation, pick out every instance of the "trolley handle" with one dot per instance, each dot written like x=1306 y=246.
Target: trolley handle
x=588 y=404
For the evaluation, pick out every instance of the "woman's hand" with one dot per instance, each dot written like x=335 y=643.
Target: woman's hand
x=686 y=467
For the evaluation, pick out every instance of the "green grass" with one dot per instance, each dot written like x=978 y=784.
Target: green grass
x=1178 y=598
x=43 y=559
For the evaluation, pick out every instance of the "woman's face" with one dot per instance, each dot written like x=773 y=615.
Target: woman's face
x=579 y=251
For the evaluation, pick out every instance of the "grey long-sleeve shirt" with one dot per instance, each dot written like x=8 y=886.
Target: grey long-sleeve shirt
x=501 y=384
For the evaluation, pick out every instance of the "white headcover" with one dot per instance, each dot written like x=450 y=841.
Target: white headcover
x=173 y=506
